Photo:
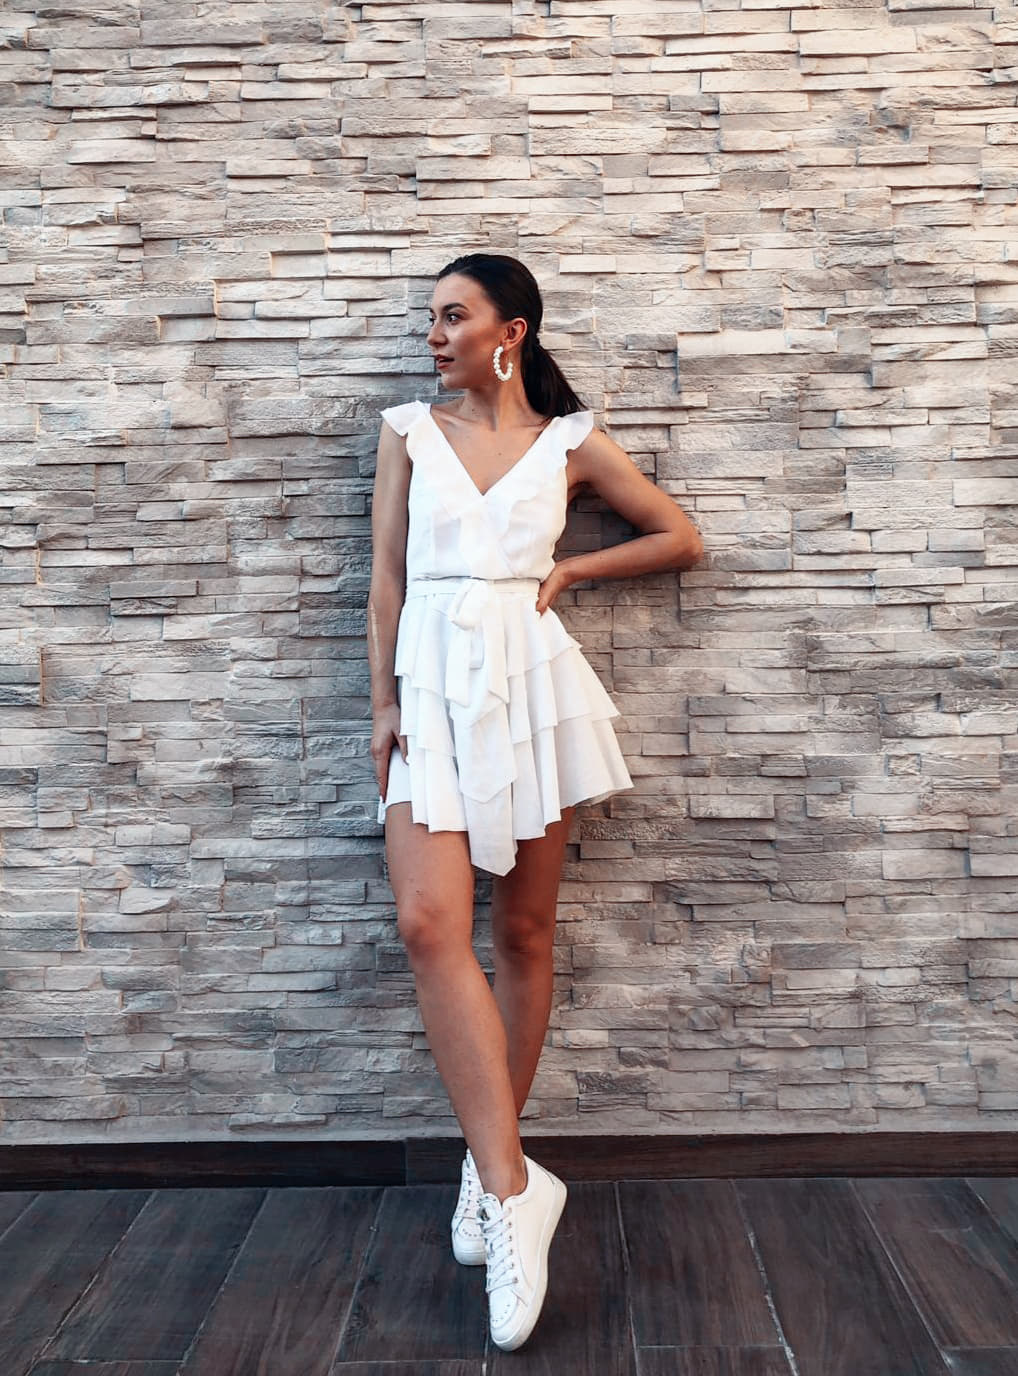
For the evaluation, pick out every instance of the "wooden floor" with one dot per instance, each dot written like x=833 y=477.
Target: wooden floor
x=861 y=1276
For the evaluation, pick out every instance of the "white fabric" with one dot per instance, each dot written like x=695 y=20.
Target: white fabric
x=506 y=722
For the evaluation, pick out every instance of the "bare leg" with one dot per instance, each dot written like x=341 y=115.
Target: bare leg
x=523 y=930
x=433 y=883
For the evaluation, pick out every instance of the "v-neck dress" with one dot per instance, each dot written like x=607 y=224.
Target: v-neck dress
x=506 y=722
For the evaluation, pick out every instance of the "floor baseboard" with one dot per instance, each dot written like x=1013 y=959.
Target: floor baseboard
x=433 y=1160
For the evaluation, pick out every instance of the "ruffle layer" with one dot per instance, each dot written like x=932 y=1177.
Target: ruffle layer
x=506 y=722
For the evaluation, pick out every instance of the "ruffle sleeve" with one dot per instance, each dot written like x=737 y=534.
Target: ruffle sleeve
x=403 y=416
x=576 y=427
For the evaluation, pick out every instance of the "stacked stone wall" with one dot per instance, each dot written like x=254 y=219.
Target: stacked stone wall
x=777 y=244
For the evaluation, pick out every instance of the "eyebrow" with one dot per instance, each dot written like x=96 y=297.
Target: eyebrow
x=449 y=306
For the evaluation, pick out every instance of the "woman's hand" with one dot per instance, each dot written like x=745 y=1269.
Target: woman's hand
x=385 y=734
x=558 y=580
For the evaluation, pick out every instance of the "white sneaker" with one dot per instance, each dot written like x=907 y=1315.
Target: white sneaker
x=467 y=1239
x=517 y=1234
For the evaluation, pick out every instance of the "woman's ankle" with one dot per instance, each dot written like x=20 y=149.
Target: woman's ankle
x=505 y=1180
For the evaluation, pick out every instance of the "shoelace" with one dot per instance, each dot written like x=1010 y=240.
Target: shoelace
x=474 y=1191
x=501 y=1255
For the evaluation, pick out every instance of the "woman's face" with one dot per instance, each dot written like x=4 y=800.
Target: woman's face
x=465 y=328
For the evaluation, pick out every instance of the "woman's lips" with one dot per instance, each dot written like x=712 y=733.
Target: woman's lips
x=441 y=362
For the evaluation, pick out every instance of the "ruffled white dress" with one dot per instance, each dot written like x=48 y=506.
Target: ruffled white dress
x=506 y=722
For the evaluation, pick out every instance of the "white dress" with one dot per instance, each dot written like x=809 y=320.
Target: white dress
x=506 y=722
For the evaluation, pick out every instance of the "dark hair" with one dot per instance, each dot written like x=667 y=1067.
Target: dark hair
x=513 y=290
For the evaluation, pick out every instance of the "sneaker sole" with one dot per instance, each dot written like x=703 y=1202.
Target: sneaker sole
x=468 y=1253
x=521 y=1334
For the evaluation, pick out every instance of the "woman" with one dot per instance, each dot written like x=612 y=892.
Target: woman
x=489 y=726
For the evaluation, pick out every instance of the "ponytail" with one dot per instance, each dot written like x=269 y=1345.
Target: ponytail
x=544 y=382
x=512 y=289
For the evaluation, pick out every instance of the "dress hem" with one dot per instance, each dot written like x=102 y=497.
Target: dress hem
x=464 y=831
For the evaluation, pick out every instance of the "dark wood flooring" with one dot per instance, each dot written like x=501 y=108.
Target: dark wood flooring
x=818 y=1276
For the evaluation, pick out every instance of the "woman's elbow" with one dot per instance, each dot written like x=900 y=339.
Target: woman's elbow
x=688 y=548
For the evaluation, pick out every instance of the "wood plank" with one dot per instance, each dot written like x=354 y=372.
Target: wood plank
x=144 y=1165
x=286 y=1298
x=712 y=1361
x=843 y=1309
x=960 y=1268
x=682 y=1236
x=13 y=1204
x=149 y=1299
x=573 y=1156
x=1000 y=1198
x=673 y=1156
x=457 y=1366
x=413 y=1301
x=584 y=1324
x=104 y=1369
x=984 y=1361
x=50 y=1254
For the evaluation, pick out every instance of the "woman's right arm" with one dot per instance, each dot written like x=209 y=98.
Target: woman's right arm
x=389 y=519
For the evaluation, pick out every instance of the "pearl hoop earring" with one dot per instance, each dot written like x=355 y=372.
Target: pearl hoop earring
x=498 y=369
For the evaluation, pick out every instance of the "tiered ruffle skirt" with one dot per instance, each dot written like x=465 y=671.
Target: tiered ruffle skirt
x=506 y=722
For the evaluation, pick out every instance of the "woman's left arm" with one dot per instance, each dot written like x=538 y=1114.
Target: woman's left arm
x=670 y=539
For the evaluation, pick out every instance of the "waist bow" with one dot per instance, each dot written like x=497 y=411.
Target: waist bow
x=475 y=670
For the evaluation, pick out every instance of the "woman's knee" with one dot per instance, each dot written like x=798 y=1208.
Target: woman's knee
x=524 y=933
x=429 y=929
